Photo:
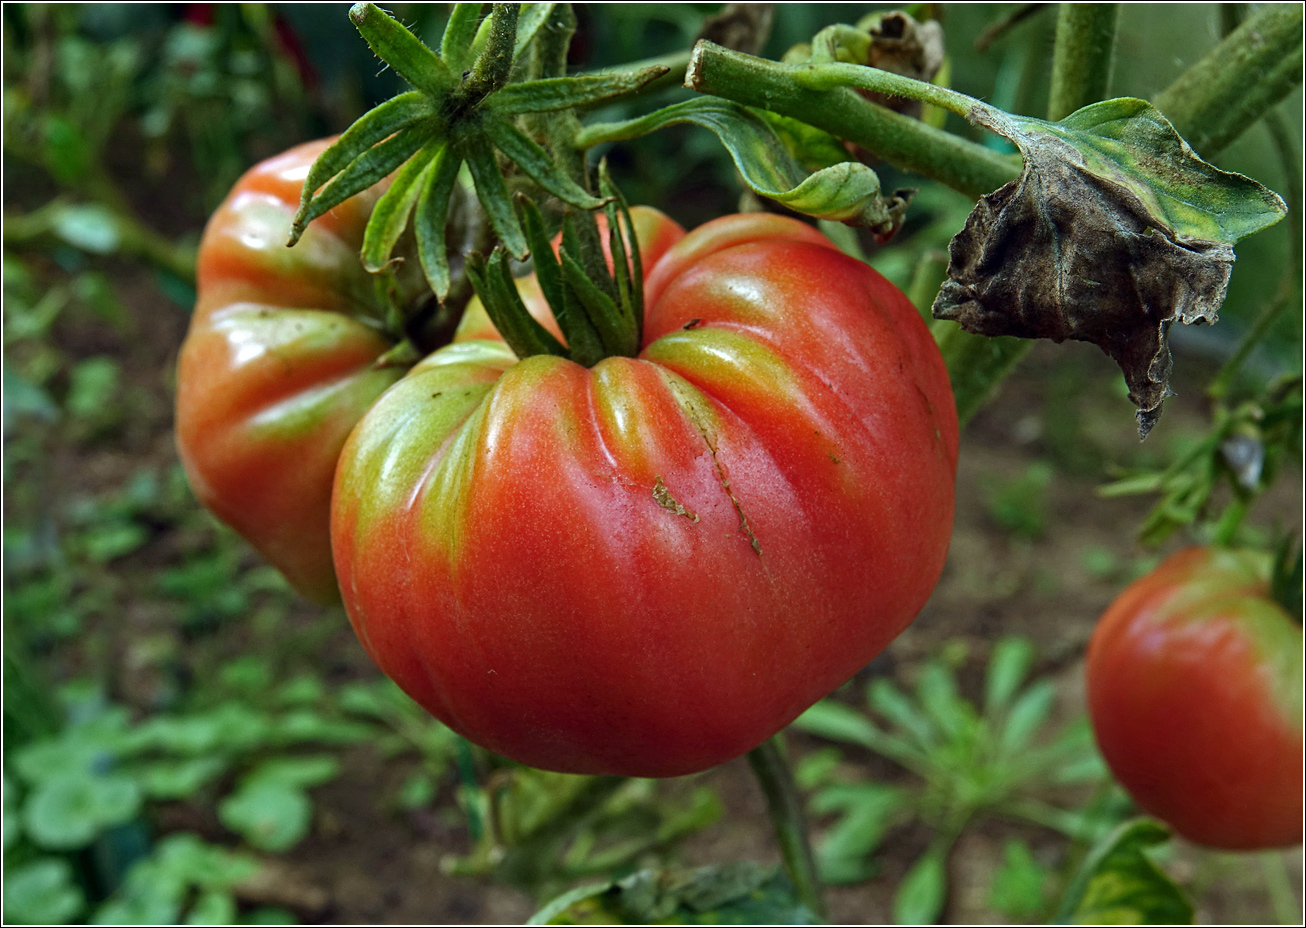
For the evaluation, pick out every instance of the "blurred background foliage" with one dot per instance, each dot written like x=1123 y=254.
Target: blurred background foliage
x=176 y=721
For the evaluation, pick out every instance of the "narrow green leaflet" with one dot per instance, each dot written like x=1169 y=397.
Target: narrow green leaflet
x=560 y=93
x=367 y=169
x=520 y=330
x=376 y=125
x=404 y=52
x=535 y=161
x=868 y=811
x=1119 y=885
x=432 y=209
x=493 y=194
x=1114 y=231
x=456 y=44
x=390 y=217
x=583 y=341
x=532 y=18
x=847 y=192
x=1010 y=662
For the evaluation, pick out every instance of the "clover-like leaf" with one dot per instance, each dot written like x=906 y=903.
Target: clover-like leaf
x=1114 y=231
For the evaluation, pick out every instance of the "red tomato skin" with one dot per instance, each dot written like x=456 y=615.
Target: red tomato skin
x=277 y=368
x=650 y=567
x=1195 y=693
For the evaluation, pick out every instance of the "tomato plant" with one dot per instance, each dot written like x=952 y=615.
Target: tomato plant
x=280 y=362
x=652 y=565
x=1195 y=692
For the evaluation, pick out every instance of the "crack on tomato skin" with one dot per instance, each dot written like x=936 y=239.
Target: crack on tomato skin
x=662 y=496
x=689 y=404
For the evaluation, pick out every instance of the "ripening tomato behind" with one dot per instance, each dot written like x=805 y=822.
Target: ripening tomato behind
x=279 y=364
x=1195 y=693
x=651 y=566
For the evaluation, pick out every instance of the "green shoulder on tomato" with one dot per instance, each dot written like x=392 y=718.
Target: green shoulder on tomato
x=650 y=566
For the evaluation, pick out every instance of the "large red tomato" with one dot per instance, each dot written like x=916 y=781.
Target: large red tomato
x=650 y=566
x=279 y=364
x=1195 y=691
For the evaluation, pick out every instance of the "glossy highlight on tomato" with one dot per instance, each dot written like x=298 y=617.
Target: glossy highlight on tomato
x=279 y=364
x=651 y=566
x=1195 y=693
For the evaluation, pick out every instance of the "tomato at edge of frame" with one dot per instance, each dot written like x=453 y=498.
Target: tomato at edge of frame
x=279 y=364
x=1195 y=694
x=653 y=565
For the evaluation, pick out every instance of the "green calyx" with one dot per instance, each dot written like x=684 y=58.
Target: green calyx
x=465 y=109
x=599 y=308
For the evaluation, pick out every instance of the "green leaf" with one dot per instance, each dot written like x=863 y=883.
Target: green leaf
x=459 y=32
x=837 y=722
x=179 y=779
x=1128 y=142
x=213 y=908
x=417 y=792
x=303 y=690
x=432 y=214
x=1011 y=660
x=41 y=892
x=390 y=216
x=22 y=398
x=380 y=126
x=847 y=192
x=536 y=162
x=302 y=772
x=936 y=689
x=493 y=194
x=402 y=50
x=156 y=888
x=870 y=809
x=1020 y=885
x=90 y=227
x=1027 y=716
x=923 y=890
x=68 y=810
x=306 y=725
x=1119 y=885
x=520 y=330
x=740 y=893
x=556 y=910
x=532 y=18
x=560 y=93
x=270 y=814
x=600 y=308
x=583 y=343
x=104 y=543
x=94 y=383
x=13 y=829
x=1114 y=231
x=886 y=699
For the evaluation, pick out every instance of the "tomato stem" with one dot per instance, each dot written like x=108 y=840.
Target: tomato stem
x=1237 y=82
x=830 y=104
x=492 y=67
x=782 y=801
x=1083 y=56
